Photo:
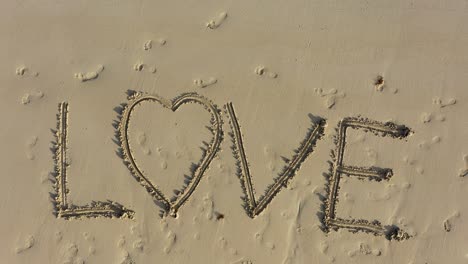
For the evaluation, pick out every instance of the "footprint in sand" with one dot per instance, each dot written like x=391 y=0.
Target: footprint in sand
x=331 y=96
x=204 y=83
x=242 y=261
x=258 y=236
x=364 y=250
x=30 y=144
x=162 y=41
x=272 y=156
x=412 y=162
x=126 y=258
x=222 y=243
x=217 y=21
x=171 y=239
x=208 y=207
x=121 y=241
x=141 y=138
x=448 y=223
x=444 y=103
x=58 y=236
x=428 y=117
x=372 y=155
x=348 y=197
x=29 y=97
x=88 y=76
x=88 y=237
x=323 y=247
x=26 y=244
x=427 y=145
x=382 y=196
x=263 y=71
x=22 y=70
x=141 y=141
x=233 y=251
x=139 y=245
x=46 y=176
x=379 y=83
x=148 y=45
x=464 y=172
x=70 y=253
x=140 y=66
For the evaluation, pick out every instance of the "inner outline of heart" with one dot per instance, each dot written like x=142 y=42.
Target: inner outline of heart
x=137 y=98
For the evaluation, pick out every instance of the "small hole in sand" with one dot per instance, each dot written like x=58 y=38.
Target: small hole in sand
x=379 y=80
x=219 y=216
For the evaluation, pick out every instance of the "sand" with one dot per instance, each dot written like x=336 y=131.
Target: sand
x=234 y=132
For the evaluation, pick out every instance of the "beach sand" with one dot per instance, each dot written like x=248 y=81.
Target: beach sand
x=234 y=132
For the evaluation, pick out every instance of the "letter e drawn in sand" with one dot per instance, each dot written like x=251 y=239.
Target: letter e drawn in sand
x=253 y=206
x=63 y=209
x=170 y=206
x=330 y=220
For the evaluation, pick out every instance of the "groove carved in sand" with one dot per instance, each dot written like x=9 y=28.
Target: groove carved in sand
x=63 y=208
x=253 y=206
x=197 y=173
x=330 y=220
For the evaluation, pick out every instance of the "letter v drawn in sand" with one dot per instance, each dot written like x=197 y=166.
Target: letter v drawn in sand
x=255 y=207
x=170 y=206
x=63 y=208
x=330 y=220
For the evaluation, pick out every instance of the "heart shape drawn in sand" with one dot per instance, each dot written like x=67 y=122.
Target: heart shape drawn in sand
x=213 y=146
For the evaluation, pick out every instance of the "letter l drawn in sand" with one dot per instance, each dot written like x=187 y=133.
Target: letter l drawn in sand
x=63 y=208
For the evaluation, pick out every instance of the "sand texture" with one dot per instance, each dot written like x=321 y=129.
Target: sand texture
x=234 y=132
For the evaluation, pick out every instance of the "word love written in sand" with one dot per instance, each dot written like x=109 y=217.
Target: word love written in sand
x=252 y=205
